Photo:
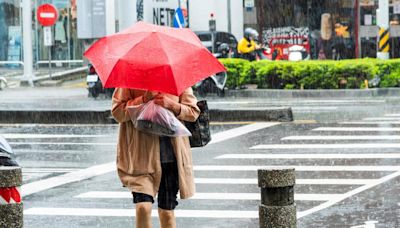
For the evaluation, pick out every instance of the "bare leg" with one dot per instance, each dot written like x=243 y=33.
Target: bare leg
x=143 y=215
x=167 y=218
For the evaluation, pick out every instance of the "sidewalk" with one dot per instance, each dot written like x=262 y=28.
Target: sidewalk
x=15 y=78
x=71 y=104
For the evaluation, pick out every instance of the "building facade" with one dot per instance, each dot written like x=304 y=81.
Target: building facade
x=66 y=46
x=80 y=22
x=345 y=27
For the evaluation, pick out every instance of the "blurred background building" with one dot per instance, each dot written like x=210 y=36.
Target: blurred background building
x=82 y=21
x=345 y=26
x=349 y=26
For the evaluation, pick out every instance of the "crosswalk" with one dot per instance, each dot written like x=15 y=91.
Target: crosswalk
x=332 y=163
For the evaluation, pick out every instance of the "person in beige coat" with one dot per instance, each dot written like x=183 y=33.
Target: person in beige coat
x=150 y=165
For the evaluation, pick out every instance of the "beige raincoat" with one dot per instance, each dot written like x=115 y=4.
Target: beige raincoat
x=138 y=153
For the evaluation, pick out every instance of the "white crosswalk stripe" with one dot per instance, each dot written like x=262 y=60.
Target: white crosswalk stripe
x=211 y=196
x=371 y=122
x=392 y=115
x=233 y=214
x=357 y=129
x=326 y=146
x=308 y=156
x=341 y=137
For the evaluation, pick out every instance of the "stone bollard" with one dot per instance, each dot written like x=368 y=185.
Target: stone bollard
x=277 y=209
x=11 y=207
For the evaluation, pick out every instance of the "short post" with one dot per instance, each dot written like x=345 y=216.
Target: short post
x=277 y=209
x=11 y=207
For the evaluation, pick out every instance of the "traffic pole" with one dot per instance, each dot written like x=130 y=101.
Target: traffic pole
x=277 y=208
x=384 y=33
x=27 y=41
x=11 y=207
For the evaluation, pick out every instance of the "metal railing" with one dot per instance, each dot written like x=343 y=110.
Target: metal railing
x=11 y=62
x=59 y=61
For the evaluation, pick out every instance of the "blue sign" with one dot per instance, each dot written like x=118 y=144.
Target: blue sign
x=179 y=20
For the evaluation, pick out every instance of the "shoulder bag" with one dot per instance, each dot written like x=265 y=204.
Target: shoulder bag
x=200 y=129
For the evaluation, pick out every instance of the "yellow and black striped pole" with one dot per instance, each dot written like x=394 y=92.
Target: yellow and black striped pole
x=383 y=42
x=382 y=15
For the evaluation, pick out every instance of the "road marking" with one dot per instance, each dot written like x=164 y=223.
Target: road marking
x=211 y=196
x=341 y=137
x=232 y=214
x=383 y=118
x=63 y=143
x=392 y=115
x=231 y=123
x=37 y=186
x=367 y=224
x=43 y=136
x=372 y=122
x=48 y=170
x=308 y=156
x=304 y=122
x=312 y=108
x=326 y=146
x=232 y=133
x=349 y=194
x=357 y=129
x=298 y=181
x=297 y=168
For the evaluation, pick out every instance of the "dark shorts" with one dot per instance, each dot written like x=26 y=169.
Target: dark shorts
x=168 y=191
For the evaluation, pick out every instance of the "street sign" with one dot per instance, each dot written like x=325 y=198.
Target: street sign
x=179 y=20
x=48 y=39
x=47 y=14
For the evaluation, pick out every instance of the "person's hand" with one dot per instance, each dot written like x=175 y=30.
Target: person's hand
x=149 y=95
x=166 y=102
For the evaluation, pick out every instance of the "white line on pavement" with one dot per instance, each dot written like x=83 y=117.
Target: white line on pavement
x=312 y=108
x=352 y=129
x=349 y=194
x=372 y=122
x=232 y=214
x=308 y=156
x=341 y=137
x=326 y=146
x=97 y=170
x=392 y=115
x=382 y=118
x=225 y=135
x=48 y=170
x=297 y=168
x=298 y=181
x=48 y=136
x=37 y=186
x=64 y=143
x=211 y=196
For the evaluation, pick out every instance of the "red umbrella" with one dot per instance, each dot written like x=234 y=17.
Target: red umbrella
x=152 y=57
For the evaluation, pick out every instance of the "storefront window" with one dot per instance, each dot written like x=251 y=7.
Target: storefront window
x=328 y=26
x=10 y=30
x=66 y=44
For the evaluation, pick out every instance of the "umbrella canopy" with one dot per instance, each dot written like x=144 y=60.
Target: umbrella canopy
x=151 y=57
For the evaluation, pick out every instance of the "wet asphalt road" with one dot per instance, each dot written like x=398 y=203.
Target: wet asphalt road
x=360 y=183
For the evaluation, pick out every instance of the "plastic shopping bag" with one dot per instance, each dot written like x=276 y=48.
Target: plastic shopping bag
x=154 y=119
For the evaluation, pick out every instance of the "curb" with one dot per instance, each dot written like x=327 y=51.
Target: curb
x=318 y=93
x=104 y=116
x=272 y=114
x=56 y=116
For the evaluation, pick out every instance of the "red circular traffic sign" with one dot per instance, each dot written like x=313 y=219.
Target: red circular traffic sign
x=47 y=14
